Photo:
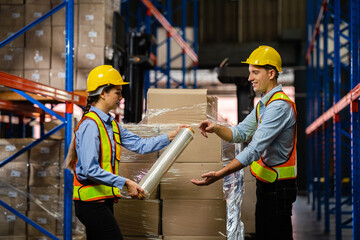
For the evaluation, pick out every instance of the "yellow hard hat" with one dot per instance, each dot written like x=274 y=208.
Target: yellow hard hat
x=103 y=75
x=265 y=55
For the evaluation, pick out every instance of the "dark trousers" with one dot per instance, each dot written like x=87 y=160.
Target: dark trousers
x=98 y=218
x=274 y=209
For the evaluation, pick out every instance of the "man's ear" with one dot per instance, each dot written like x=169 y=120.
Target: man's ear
x=272 y=73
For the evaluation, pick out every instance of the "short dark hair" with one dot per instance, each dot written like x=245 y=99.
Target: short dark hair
x=270 y=67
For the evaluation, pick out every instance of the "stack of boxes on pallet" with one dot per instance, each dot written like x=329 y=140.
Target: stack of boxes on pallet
x=177 y=209
x=39 y=54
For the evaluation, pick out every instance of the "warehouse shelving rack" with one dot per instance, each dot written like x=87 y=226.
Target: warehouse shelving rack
x=333 y=91
x=147 y=24
x=21 y=86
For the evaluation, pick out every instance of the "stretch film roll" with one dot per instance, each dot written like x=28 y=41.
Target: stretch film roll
x=165 y=161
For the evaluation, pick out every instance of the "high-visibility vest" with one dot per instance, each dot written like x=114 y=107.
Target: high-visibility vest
x=92 y=191
x=287 y=170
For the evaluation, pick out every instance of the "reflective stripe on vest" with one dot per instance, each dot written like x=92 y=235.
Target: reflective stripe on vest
x=287 y=170
x=95 y=191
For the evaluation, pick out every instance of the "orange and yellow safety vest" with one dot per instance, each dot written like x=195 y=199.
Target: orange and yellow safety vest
x=95 y=191
x=287 y=170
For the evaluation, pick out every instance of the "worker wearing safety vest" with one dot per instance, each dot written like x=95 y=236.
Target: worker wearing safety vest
x=94 y=155
x=271 y=152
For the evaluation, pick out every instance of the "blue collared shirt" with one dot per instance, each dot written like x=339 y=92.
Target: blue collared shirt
x=88 y=149
x=273 y=138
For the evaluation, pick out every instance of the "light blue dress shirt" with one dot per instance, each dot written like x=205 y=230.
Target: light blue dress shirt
x=273 y=138
x=88 y=149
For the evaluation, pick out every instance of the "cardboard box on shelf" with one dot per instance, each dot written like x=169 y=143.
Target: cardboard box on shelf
x=12 y=15
x=58 y=38
x=195 y=238
x=15 y=197
x=90 y=57
x=14 y=2
x=91 y=35
x=184 y=106
x=194 y=217
x=200 y=149
x=35 y=11
x=14 y=173
x=46 y=153
x=8 y=31
x=59 y=135
x=41 y=176
x=136 y=172
x=10 y=146
x=176 y=182
x=38 y=37
x=11 y=225
x=12 y=58
x=141 y=238
x=37 y=58
x=58 y=18
x=38 y=75
x=92 y=14
x=81 y=79
x=44 y=198
x=57 y=78
x=138 y=217
x=44 y=219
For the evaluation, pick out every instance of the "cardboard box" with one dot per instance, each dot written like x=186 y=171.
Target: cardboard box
x=38 y=75
x=41 y=176
x=90 y=57
x=12 y=238
x=12 y=15
x=35 y=11
x=11 y=225
x=142 y=238
x=8 y=31
x=194 y=238
x=58 y=38
x=59 y=19
x=44 y=219
x=92 y=14
x=183 y=106
x=144 y=131
x=176 y=182
x=136 y=172
x=58 y=78
x=46 y=153
x=37 y=58
x=81 y=79
x=194 y=217
x=14 y=2
x=39 y=37
x=59 y=135
x=249 y=202
x=12 y=58
x=14 y=173
x=15 y=197
x=92 y=35
x=44 y=198
x=137 y=217
x=200 y=149
x=10 y=146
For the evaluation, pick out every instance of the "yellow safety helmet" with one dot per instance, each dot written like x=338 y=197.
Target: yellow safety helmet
x=101 y=76
x=265 y=55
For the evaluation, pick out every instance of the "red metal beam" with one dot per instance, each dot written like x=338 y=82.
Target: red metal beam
x=352 y=96
x=323 y=8
x=171 y=31
x=26 y=85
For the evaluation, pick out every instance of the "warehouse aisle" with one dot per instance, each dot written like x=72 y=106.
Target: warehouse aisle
x=306 y=227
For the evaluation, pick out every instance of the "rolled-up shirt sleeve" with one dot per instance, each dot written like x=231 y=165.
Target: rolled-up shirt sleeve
x=88 y=151
x=274 y=120
x=245 y=129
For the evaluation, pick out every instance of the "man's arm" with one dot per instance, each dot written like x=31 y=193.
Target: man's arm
x=210 y=127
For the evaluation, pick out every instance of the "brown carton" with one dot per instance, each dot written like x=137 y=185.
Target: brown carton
x=14 y=173
x=44 y=219
x=46 y=153
x=10 y=146
x=14 y=2
x=37 y=58
x=92 y=35
x=195 y=238
x=38 y=75
x=8 y=31
x=11 y=225
x=137 y=217
x=92 y=14
x=16 y=197
x=58 y=78
x=38 y=37
x=194 y=217
x=81 y=79
x=12 y=58
x=44 y=198
x=200 y=149
x=90 y=57
x=176 y=182
x=35 y=11
x=41 y=176
x=58 y=18
x=12 y=16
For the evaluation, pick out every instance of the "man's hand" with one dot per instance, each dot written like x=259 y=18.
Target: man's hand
x=172 y=134
x=207 y=126
x=134 y=189
x=210 y=178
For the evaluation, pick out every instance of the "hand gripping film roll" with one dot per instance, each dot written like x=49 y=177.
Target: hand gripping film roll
x=165 y=161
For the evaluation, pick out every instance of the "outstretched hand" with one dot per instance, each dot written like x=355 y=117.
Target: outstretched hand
x=134 y=189
x=172 y=134
x=208 y=178
x=207 y=126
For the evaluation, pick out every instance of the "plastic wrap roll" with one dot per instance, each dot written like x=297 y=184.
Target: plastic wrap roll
x=165 y=161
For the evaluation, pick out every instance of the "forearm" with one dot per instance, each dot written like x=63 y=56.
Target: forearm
x=232 y=167
x=223 y=132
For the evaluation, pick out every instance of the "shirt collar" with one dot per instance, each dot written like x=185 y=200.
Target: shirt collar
x=267 y=96
x=103 y=116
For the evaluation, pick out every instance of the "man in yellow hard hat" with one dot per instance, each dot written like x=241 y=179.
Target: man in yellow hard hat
x=271 y=153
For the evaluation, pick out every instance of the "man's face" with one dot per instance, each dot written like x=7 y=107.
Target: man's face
x=260 y=79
